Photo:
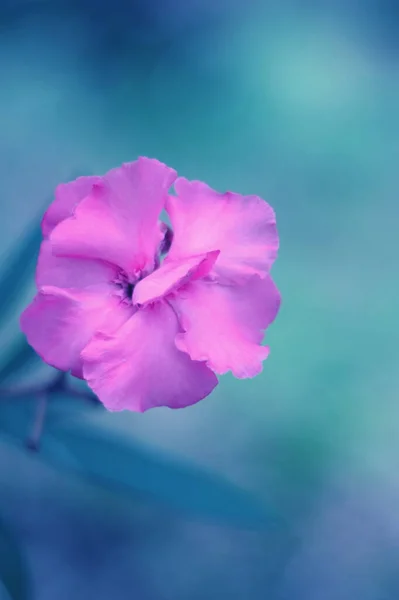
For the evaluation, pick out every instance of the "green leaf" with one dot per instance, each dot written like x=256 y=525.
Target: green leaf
x=116 y=462
x=13 y=571
x=18 y=269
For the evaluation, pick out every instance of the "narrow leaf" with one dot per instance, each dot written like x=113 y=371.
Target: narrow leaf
x=18 y=269
x=20 y=356
x=115 y=462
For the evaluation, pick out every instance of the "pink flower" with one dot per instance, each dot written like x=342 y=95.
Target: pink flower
x=142 y=332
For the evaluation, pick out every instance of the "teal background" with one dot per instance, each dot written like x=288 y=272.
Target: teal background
x=293 y=101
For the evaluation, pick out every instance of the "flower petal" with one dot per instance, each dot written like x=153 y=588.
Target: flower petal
x=58 y=323
x=118 y=221
x=171 y=275
x=73 y=272
x=223 y=325
x=243 y=228
x=139 y=367
x=67 y=196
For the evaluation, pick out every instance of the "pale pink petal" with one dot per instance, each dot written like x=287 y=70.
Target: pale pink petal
x=223 y=325
x=58 y=323
x=243 y=228
x=72 y=272
x=171 y=275
x=139 y=367
x=118 y=221
x=67 y=196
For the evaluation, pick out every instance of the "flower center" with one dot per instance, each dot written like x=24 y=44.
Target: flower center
x=125 y=284
x=129 y=290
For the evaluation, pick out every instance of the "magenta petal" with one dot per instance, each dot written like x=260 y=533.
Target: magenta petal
x=243 y=228
x=139 y=367
x=223 y=325
x=118 y=221
x=67 y=196
x=58 y=323
x=171 y=275
x=73 y=272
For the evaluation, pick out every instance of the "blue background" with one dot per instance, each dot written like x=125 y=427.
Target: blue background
x=283 y=487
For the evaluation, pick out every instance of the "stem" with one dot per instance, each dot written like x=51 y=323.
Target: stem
x=43 y=394
x=33 y=441
x=58 y=384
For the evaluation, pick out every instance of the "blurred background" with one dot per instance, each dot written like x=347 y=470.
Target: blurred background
x=283 y=487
